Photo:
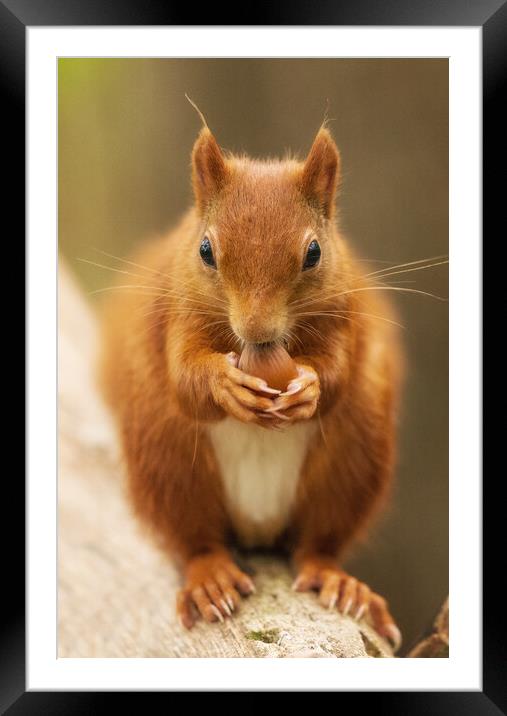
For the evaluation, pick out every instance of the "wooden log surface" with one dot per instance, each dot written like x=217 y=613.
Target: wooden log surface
x=435 y=644
x=116 y=592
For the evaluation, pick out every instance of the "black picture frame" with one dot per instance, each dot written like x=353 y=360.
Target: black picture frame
x=15 y=17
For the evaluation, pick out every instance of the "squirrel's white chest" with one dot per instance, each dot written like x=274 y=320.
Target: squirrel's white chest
x=260 y=470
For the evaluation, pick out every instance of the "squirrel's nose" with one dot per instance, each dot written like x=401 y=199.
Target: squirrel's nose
x=260 y=334
x=258 y=317
x=258 y=328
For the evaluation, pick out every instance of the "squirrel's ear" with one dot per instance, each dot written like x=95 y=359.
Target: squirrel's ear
x=319 y=178
x=209 y=170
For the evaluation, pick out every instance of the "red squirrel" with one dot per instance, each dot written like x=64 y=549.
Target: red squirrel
x=217 y=457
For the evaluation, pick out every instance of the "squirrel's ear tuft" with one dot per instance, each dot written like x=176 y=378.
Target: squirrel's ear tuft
x=209 y=169
x=320 y=173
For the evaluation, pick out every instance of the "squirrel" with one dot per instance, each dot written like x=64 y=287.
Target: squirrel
x=216 y=458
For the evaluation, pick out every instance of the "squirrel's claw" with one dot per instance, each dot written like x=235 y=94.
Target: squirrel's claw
x=353 y=598
x=213 y=588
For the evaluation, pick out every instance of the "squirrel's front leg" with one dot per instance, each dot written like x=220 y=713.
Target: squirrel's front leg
x=316 y=387
x=299 y=401
x=209 y=385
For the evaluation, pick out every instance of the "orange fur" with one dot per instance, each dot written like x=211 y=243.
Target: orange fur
x=165 y=373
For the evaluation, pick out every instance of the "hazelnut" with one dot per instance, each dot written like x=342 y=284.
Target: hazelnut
x=268 y=361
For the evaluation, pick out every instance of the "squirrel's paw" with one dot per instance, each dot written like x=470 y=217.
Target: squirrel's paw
x=213 y=586
x=338 y=590
x=237 y=393
x=299 y=402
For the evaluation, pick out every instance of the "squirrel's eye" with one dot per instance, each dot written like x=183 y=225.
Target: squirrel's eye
x=312 y=255
x=207 y=252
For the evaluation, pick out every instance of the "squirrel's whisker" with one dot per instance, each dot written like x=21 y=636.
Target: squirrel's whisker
x=158 y=273
x=444 y=259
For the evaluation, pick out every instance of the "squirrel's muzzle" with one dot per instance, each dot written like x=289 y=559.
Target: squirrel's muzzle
x=258 y=321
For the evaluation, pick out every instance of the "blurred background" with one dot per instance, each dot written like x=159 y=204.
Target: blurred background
x=125 y=136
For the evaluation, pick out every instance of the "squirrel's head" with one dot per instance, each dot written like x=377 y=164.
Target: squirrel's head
x=267 y=238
